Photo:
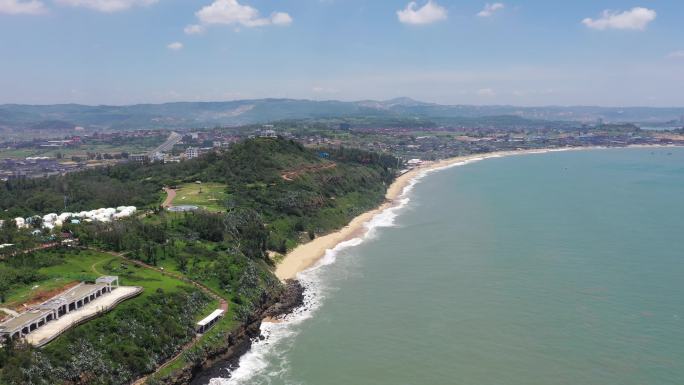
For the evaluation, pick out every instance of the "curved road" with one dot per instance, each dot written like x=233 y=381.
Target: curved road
x=170 y=196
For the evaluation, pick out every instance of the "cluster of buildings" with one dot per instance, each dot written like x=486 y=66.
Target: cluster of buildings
x=162 y=157
x=50 y=221
x=74 y=141
x=447 y=142
x=32 y=167
x=195 y=144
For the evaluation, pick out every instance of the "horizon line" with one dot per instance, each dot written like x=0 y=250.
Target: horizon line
x=351 y=101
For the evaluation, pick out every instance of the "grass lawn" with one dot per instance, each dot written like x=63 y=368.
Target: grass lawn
x=209 y=196
x=88 y=265
x=171 y=266
x=131 y=274
x=77 y=267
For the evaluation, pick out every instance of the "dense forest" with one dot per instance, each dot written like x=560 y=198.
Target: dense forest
x=247 y=167
x=279 y=183
x=278 y=194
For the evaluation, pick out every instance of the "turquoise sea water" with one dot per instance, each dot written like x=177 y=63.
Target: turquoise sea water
x=553 y=269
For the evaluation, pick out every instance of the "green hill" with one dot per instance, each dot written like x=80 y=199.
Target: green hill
x=257 y=111
x=277 y=194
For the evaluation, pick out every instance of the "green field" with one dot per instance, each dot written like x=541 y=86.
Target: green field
x=67 y=152
x=209 y=196
x=74 y=268
x=86 y=265
x=131 y=274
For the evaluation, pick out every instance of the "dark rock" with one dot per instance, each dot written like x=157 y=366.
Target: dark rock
x=220 y=362
x=291 y=299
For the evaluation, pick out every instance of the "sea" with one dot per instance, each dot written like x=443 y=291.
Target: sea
x=563 y=268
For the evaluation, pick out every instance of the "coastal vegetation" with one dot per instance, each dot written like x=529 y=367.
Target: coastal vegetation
x=261 y=196
x=114 y=348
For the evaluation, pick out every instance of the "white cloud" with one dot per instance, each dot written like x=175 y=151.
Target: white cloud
x=20 y=7
x=490 y=9
x=231 y=12
x=486 y=92
x=429 y=13
x=281 y=18
x=106 y=5
x=194 y=29
x=175 y=46
x=522 y=93
x=676 y=54
x=637 y=18
x=324 y=90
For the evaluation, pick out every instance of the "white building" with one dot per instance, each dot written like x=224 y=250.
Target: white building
x=209 y=321
x=191 y=153
x=50 y=221
x=268 y=134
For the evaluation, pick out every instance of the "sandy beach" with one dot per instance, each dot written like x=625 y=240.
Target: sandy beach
x=306 y=255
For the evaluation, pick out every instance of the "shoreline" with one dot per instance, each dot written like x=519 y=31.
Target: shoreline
x=305 y=256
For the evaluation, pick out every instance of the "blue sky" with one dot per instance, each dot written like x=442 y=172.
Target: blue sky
x=522 y=52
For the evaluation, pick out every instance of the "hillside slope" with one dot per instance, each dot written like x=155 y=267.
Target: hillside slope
x=243 y=112
x=277 y=194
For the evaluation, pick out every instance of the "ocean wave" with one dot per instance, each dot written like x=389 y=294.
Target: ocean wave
x=256 y=366
x=274 y=346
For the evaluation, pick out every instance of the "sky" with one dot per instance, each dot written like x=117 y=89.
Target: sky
x=519 y=52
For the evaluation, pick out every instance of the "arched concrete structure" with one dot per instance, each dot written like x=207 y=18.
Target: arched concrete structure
x=71 y=300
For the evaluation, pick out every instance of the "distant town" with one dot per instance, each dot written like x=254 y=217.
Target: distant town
x=31 y=158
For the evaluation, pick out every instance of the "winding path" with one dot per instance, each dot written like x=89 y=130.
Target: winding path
x=170 y=196
x=212 y=293
x=223 y=304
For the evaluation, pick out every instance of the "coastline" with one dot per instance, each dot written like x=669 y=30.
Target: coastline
x=305 y=256
x=270 y=326
x=308 y=254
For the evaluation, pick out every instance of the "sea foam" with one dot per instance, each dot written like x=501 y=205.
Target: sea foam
x=267 y=358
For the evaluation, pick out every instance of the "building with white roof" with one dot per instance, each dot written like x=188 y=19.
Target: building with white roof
x=204 y=325
x=52 y=220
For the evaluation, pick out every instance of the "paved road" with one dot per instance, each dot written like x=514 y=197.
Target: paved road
x=171 y=141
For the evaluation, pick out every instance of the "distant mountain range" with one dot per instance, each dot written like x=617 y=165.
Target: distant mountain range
x=242 y=112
